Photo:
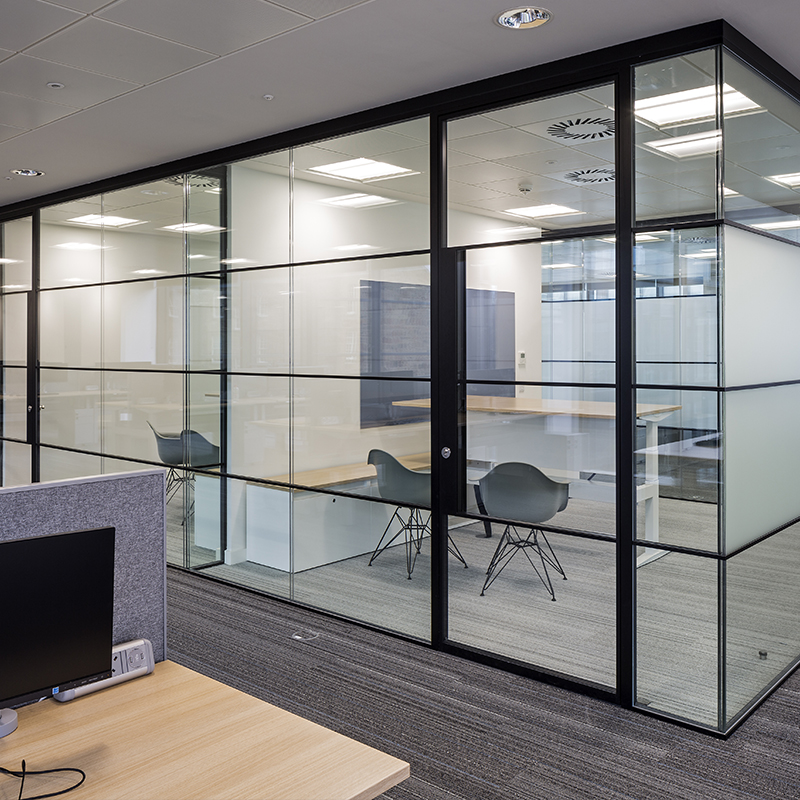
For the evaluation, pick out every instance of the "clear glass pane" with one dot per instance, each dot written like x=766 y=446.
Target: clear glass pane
x=204 y=420
x=15 y=329
x=135 y=401
x=259 y=210
x=541 y=166
x=203 y=521
x=16 y=248
x=336 y=423
x=70 y=409
x=678 y=136
x=205 y=331
x=333 y=541
x=515 y=616
x=762 y=151
x=70 y=327
x=677 y=637
x=363 y=193
x=72 y=243
x=259 y=307
x=568 y=433
x=677 y=307
x=763 y=617
x=136 y=236
x=16 y=464
x=59 y=465
x=678 y=461
x=15 y=403
x=143 y=324
x=258 y=420
x=204 y=194
x=363 y=318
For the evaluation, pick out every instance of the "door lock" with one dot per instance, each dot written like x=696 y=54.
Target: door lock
x=446 y=452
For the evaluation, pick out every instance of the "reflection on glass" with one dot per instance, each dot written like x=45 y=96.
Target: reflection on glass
x=15 y=329
x=16 y=246
x=677 y=637
x=515 y=616
x=16 y=464
x=72 y=243
x=143 y=324
x=515 y=172
x=678 y=135
x=763 y=617
x=363 y=317
x=362 y=194
x=205 y=299
x=202 y=225
x=59 y=465
x=204 y=419
x=259 y=211
x=134 y=401
x=762 y=152
x=677 y=307
x=70 y=330
x=70 y=409
x=337 y=422
x=15 y=403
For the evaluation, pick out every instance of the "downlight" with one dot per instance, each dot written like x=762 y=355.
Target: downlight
x=523 y=18
x=28 y=173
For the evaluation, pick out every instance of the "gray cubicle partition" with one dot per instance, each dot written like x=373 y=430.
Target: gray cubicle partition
x=131 y=502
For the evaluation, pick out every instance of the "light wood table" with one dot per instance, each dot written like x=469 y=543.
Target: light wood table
x=178 y=735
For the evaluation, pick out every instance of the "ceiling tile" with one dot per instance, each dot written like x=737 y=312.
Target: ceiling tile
x=110 y=49
x=27 y=113
x=4 y=54
x=316 y=9
x=552 y=108
x=217 y=27
x=484 y=172
x=550 y=161
x=8 y=132
x=367 y=144
x=501 y=144
x=32 y=20
x=472 y=126
x=87 y=6
x=29 y=76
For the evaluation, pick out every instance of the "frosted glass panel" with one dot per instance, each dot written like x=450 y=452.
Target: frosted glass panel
x=16 y=464
x=15 y=403
x=762 y=326
x=16 y=254
x=762 y=462
x=15 y=329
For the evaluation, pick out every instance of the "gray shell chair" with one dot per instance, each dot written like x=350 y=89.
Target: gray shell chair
x=409 y=489
x=184 y=449
x=522 y=492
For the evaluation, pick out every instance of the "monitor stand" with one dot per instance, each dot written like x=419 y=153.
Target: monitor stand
x=8 y=721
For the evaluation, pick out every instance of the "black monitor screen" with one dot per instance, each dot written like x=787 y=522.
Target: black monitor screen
x=56 y=613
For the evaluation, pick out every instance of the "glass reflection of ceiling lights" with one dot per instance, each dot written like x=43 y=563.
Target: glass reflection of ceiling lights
x=784 y=224
x=9 y=261
x=358 y=200
x=692 y=105
x=80 y=246
x=362 y=169
x=192 y=227
x=792 y=180
x=542 y=212
x=695 y=144
x=106 y=221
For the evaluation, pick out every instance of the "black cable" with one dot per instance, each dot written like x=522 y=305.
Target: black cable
x=21 y=774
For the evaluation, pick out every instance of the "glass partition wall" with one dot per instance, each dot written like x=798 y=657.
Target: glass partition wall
x=389 y=371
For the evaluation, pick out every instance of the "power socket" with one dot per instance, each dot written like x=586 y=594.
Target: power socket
x=128 y=660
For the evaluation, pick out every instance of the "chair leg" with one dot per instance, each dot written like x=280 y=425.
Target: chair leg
x=452 y=548
x=509 y=546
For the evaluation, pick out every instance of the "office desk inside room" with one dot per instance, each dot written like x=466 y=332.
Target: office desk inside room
x=178 y=735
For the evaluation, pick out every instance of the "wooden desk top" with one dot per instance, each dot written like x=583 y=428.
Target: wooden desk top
x=531 y=405
x=178 y=735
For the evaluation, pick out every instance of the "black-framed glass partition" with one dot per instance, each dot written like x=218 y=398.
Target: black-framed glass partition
x=508 y=370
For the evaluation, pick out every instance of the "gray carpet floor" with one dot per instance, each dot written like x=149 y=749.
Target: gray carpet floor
x=470 y=731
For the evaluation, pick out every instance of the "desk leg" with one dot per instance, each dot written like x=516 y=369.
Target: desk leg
x=650 y=492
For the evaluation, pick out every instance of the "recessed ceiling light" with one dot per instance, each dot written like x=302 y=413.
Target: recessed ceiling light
x=106 y=221
x=696 y=144
x=149 y=272
x=28 y=173
x=269 y=96
x=198 y=255
x=559 y=266
x=153 y=192
x=537 y=212
x=79 y=246
x=348 y=247
x=55 y=85
x=236 y=261
x=692 y=105
x=523 y=18
x=726 y=192
x=192 y=227
x=358 y=200
x=9 y=261
x=792 y=180
x=362 y=169
x=777 y=226
x=10 y=286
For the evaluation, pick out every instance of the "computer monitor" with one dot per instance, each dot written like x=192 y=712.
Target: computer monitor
x=56 y=615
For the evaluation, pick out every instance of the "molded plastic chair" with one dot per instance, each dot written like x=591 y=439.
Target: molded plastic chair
x=408 y=489
x=184 y=449
x=522 y=492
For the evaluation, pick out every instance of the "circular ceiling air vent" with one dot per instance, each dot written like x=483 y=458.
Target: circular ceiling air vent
x=595 y=175
x=582 y=129
x=195 y=181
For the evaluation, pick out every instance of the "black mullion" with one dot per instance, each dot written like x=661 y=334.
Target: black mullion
x=34 y=427
x=625 y=391
x=225 y=293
